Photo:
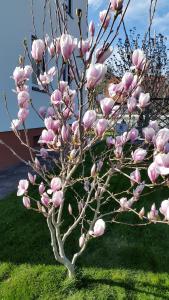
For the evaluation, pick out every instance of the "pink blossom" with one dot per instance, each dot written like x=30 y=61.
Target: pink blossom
x=23 y=99
x=133 y=134
x=32 y=178
x=67 y=45
x=56 y=97
x=22 y=187
x=136 y=93
x=99 y=228
x=153 y=214
x=23 y=114
x=56 y=184
x=45 y=199
x=81 y=240
x=47 y=136
x=144 y=100
x=95 y=74
x=139 y=59
x=116 y=5
x=142 y=213
x=131 y=104
x=70 y=209
x=93 y=171
x=139 y=154
x=89 y=118
x=46 y=78
x=26 y=202
x=154 y=125
x=148 y=134
x=137 y=192
x=135 y=176
x=62 y=86
x=19 y=75
x=164 y=209
x=57 y=198
x=124 y=204
x=65 y=133
x=162 y=163
x=118 y=152
x=104 y=18
x=92 y=29
x=127 y=81
x=28 y=71
x=15 y=124
x=84 y=46
x=38 y=49
x=54 y=47
x=162 y=138
x=50 y=111
x=101 y=127
x=103 y=54
x=115 y=89
x=106 y=105
x=41 y=188
x=110 y=141
x=153 y=172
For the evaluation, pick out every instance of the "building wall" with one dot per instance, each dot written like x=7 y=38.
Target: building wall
x=15 y=26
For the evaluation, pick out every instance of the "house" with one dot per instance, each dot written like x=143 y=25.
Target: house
x=16 y=25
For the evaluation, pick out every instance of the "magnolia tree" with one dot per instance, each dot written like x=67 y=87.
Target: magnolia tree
x=74 y=127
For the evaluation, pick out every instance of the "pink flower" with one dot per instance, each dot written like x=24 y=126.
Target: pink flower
x=153 y=214
x=45 y=199
x=46 y=78
x=131 y=104
x=15 y=124
x=162 y=163
x=162 y=138
x=148 y=134
x=81 y=240
x=50 y=111
x=56 y=97
x=38 y=49
x=62 y=86
x=101 y=127
x=47 y=136
x=124 y=204
x=118 y=152
x=144 y=100
x=92 y=28
x=56 y=184
x=67 y=45
x=127 y=81
x=138 y=155
x=153 y=172
x=137 y=192
x=65 y=133
x=41 y=188
x=133 y=134
x=19 y=75
x=164 y=209
x=26 y=202
x=89 y=118
x=106 y=105
x=110 y=141
x=103 y=54
x=139 y=59
x=84 y=46
x=23 y=99
x=28 y=71
x=22 y=114
x=52 y=124
x=22 y=187
x=104 y=18
x=115 y=89
x=54 y=47
x=95 y=74
x=93 y=171
x=154 y=125
x=135 y=176
x=136 y=93
x=57 y=198
x=99 y=228
x=116 y=5
x=32 y=178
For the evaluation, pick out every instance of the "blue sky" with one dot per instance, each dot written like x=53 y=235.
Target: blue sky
x=137 y=15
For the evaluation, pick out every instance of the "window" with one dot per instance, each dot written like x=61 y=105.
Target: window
x=69 y=7
x=38 y=69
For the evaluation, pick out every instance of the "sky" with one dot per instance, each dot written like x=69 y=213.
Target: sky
x=137 y=15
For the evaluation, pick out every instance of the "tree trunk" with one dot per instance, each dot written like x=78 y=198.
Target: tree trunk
x=71 y=269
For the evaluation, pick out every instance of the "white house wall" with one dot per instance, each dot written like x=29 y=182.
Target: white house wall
x=15 y=25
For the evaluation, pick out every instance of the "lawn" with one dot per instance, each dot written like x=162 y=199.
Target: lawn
x=125 y=263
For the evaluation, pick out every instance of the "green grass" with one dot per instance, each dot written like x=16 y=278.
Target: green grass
x=125 y=263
